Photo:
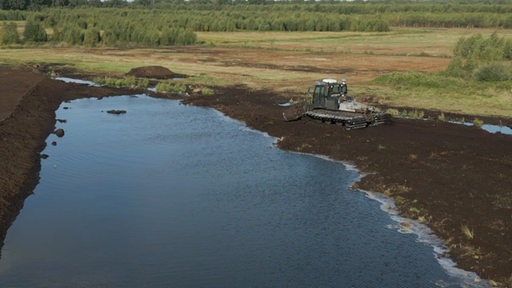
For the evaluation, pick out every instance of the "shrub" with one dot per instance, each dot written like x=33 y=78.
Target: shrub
x=91 y=37
x=415 y=114
x=478 y=123
x=207 y=91
x=496 y=71
x=129 y=81
x=393 y=112
x=35 y=32
x=9 y=34
x=171 y=87
x=143 y=83
x=486 y=56
x=470 y=235
x=72 y=35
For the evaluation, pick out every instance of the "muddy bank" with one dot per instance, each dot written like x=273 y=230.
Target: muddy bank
x=448 y=176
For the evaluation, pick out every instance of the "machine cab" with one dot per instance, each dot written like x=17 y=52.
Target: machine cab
x=326 y=94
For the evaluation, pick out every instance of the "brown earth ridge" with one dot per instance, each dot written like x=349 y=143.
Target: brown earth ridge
x=449 y=176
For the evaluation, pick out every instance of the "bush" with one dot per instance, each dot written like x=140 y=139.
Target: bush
x=9 y=34
x=477 y=122
x=35 y=32
x=482 y=58
x=71 y=34
x=171 y=87
x=393 y=112
x=207 y=91
x=91 y=37
x=496 y=71
x=129 y=81
x=369 y=25
x=143 y=83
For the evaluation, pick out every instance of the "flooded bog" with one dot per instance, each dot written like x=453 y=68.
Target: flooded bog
x=169 y=195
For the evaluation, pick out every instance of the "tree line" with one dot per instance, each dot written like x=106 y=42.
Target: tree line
x=173 y=22
x=97 y=27
x=342 y=6
x=263 y=14
x=151 y=27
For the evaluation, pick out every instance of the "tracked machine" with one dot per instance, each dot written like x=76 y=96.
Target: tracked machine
x=330 y=104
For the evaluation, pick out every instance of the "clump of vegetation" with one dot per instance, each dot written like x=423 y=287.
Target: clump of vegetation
x=495 y=71
x=482 y=59
x=171 y=87
x=128 y=81
x=470 y=235
x=478 y=122
x=34 y=32
x=411 y=114
x=9 y=34
x=207 y=91
x=415 y=114
x=393 y=112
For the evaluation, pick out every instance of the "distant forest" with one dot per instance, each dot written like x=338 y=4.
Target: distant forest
x=173 y=22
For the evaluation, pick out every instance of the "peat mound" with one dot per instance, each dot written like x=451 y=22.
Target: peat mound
x=155 y=72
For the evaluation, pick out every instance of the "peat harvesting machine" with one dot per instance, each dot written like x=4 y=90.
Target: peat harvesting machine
x=330 y=104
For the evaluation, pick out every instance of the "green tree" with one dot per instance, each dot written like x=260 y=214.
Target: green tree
x=9 y=34
x=109 y=38
x=482 y=58
x=91 y=37
x=72 y=35
x=168 y=36
x=186 y=37
x=496 y=71
x=16 y=4
x=34 y=32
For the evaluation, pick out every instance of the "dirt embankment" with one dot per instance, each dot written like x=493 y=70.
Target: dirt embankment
x=450 y=176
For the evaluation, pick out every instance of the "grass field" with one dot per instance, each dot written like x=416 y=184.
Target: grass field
x=290 y=61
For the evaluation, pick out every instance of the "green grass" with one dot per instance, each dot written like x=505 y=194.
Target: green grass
x=470 y=235
x=435 y=42
x=171 y=87
x=128 y=81
x=437 y=91
x=405 y=89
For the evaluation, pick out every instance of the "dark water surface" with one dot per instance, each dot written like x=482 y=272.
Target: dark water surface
x=169 y=195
